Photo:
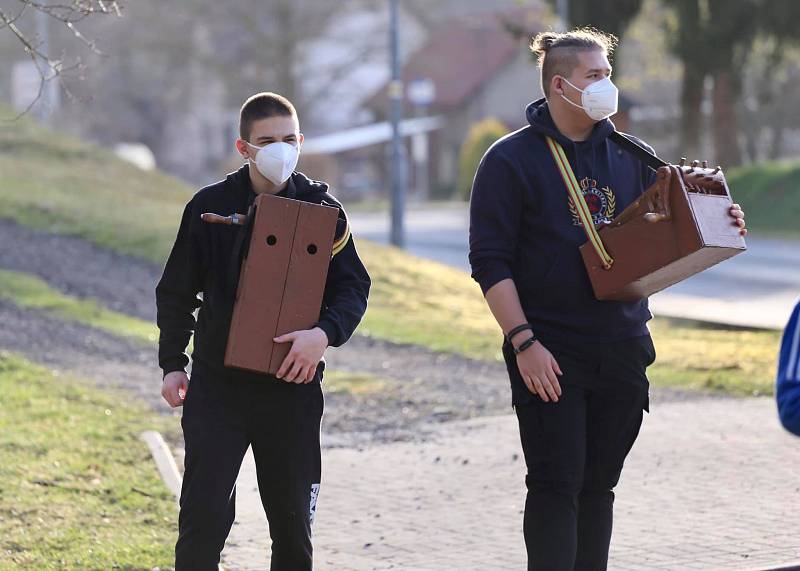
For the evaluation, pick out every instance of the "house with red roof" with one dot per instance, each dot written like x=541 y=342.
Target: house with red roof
x=473 y=67
x=470 y=66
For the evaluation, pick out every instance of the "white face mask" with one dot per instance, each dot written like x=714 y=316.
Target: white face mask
x=276 y=161
x=599 y=99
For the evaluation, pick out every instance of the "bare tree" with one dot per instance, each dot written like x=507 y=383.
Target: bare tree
x=715 y=39
x=69 y=14
x=267 y=42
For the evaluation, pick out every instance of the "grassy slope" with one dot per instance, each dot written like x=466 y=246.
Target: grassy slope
x=770 y=195
x=87 y=192
x=78 y=490
x=31 y=292
x=734 y=361
x=54 y=182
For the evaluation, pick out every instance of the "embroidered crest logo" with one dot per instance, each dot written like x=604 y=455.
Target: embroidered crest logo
x=601 y=202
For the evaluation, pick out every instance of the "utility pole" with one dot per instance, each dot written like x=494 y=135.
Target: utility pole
x=399 y=174
x=48 y=97
x=562 y=7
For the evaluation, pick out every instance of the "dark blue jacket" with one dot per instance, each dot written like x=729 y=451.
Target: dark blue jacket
x=788 y=385
x=522 y=227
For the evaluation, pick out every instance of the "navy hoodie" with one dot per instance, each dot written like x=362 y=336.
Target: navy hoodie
x=206 y=258
x=522 y=227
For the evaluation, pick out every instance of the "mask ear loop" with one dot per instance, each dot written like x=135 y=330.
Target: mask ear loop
x=572 y=85
x=567 y=99
x=253 y=158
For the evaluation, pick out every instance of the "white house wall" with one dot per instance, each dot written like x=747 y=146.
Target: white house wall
x=352 y=34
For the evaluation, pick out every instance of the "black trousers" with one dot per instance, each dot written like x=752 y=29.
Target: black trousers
x=281 y=421
x=575 y=448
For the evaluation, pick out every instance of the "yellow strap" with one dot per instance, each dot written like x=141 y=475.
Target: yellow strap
x=574 y=190
x=339 y=244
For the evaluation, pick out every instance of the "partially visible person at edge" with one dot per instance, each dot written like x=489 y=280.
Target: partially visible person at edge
x=226 y=410
x=577 y=365
x=787 y=388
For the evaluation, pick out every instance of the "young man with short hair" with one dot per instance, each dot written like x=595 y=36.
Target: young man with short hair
x=226 y=410
x=577 y=365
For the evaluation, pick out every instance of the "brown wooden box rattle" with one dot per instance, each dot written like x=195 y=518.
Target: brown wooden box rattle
x=679 y=227
x=282 y=278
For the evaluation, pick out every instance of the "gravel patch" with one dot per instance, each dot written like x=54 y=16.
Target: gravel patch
x=72 y=348
x=81 y=269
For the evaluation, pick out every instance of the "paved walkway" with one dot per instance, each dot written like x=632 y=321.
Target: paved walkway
x=711 y=484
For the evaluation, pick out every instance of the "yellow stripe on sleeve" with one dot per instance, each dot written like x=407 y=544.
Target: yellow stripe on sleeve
x=339 y=244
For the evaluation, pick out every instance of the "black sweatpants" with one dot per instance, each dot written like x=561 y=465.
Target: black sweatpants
x=221 y=418
x=575 y=448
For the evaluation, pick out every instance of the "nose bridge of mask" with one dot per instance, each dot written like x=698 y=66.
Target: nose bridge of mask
x=277 y=151
x=594 y=87
x=279 y=143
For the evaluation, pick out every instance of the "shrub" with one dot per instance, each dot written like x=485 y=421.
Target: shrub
x=480 y=137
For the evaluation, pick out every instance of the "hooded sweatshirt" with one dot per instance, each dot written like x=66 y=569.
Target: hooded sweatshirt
x=787 y=388
x=522 y=227
x=207 y=257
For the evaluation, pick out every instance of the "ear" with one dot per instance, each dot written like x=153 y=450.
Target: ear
x=557 y=85
x=300 y=139
x=243 y=148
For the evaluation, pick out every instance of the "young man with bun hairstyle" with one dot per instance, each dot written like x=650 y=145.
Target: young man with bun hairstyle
x=577 y=365
x=226 y=410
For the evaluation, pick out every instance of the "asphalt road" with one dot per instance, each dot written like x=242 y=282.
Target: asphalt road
x=755 y=289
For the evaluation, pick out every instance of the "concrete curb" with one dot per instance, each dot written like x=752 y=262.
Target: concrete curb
x=768 y=313
x=165 y=462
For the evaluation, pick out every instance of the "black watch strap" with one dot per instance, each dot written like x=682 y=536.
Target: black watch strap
x=525 y=344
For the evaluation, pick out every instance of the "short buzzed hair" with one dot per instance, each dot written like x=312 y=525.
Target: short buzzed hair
x=558 y=52
x=263 y=106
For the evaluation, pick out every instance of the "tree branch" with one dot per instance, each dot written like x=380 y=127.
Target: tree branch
x=11 y=19
x=67 y=14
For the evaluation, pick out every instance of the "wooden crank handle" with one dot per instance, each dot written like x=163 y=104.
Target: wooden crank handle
x=236 y=219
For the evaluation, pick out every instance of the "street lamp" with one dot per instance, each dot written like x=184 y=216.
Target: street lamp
x=397 y=237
